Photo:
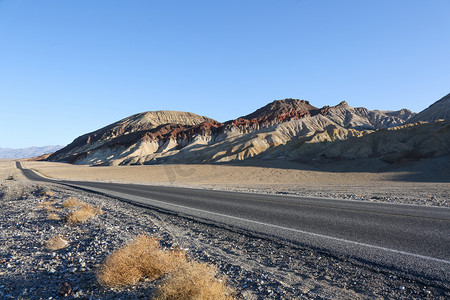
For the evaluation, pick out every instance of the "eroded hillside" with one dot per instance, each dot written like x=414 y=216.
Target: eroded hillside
x=290 y=128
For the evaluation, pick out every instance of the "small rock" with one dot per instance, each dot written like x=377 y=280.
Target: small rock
x=65 y=289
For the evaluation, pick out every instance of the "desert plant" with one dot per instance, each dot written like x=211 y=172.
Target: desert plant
x=53 y=216
x=71 y=202
x=82 y=214
x=56 y=243
x=48 y=194
x=194 y=281
x=141 y=259
x=48 y=205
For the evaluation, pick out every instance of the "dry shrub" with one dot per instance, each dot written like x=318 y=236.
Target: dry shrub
x=194 y=281
x=71 y=202
x=82 y=214
x=53 y=216
x=44 y=203
x=48 y=194
x=141 y=259
x=56 y=243
x=48 y=205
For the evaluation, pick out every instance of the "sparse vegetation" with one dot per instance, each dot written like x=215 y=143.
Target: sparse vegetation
x=141 y=259
x=82 y=214
x=56 y=243
x=71 y=202
x=48 y=194
x=53 y=216
x=194 y=281
x=48 y=205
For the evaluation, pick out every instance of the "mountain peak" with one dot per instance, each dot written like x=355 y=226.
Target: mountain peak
x=343 y=103
x=284 y=109
x=160 y=117
x=436 y=111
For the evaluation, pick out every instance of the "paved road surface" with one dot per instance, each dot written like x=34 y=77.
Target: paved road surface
x=414 y=239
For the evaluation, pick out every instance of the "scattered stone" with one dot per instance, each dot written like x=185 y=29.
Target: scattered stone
x=65 y=289
x=258 y=268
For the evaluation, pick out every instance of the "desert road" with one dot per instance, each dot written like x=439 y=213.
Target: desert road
x=404 y=238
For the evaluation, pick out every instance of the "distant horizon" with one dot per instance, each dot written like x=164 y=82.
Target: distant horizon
x=71 y=67
x=27 y=152
x=31 y=147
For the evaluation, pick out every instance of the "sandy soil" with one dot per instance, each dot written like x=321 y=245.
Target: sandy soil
x=423 y=183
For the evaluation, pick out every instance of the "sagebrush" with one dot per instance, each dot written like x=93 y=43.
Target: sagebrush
x=82 y=214
x=56 y=243
x=141 y=259
x=194 y=281
x=71 y=202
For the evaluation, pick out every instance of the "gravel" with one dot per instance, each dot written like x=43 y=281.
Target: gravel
x=258 y=268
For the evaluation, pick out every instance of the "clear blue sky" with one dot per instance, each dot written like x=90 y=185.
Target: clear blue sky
x=70 y=67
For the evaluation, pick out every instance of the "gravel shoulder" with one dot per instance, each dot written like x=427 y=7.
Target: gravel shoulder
x=256 y=267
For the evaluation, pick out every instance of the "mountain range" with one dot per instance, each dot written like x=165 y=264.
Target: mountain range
x=290 y=129
x=27 y=152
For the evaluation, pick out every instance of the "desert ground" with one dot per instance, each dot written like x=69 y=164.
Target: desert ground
x=422 y=183
x=34 y=215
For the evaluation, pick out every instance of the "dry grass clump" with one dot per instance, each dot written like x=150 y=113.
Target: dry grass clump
x=56 y=243
x=141 y=259
x=53 y=216
x=47 y=194
x=194 y=281
x=71 y=202
x=82 y=214
x=48 y=205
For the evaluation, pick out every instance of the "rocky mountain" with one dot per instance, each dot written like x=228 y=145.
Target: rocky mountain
x=179 y=137
x=27 y=152
x=128 y=137
x=406 y=142
x=436 y=111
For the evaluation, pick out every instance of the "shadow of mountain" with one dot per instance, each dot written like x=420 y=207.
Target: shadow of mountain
x=425 y=170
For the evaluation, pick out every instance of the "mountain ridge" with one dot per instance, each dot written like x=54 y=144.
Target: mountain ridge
x=174 y=137
x=436 y=111
x=27 y=152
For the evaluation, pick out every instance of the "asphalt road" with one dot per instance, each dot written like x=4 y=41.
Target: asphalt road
x=405 y=238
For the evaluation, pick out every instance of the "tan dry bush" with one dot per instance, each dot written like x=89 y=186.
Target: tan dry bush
x=71 y=202
x=48 y=194
x=82 y=214
x=98 y=210
x=48 y=205
x=194 y=281
x=56 y=243
x=141 y=259
x=44 y=203
x=53 y=216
